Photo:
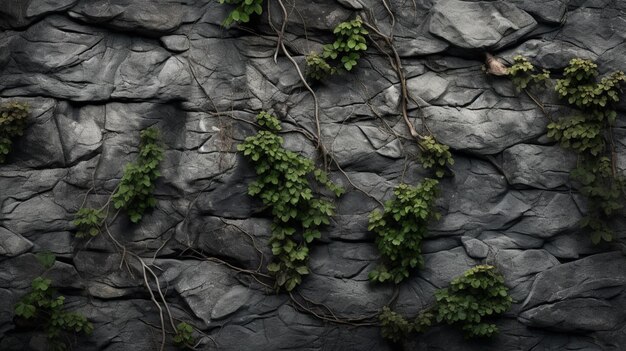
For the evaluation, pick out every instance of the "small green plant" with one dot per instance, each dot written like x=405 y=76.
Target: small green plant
x=13 y=117
x=435 y=155
x=317 y=67
x=400 y=229
x=44 y=309
x=471 y=298
x=46 y=259
x=89 y=222
x=283 y=185
x=349 y=42
x=344 y=52
x=469 y=302
x=523 y=73
x=394 y=327
x=243 y=10
x=134 y=193
x=184 y=335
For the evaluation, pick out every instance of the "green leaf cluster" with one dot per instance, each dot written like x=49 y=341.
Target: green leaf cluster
x=604 y=191
x=344 y=52
x=184 y=335
x=580 y=134
x=13 y=117
x=134 y=193
x=243 y=10
x=523 y=73
x=585 y=134
x=41 y=306
x=395 y=327
x=435 y=155
x=400 y=229
x=580 y=88
x=317 y=67
x=477 y=295
x=46 y=259
x=284 y=184
x=88 y=222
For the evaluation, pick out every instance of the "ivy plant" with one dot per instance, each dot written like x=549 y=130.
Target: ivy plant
x=284 y=184
x=469 y=303
x=585 y=132
x=43 y=308
x=343 y=53
x=242 y=11
x=184 y=335
x=13 y=117
x=134 y=193
x=523 y=73
x=394 y=327
x=400 y=229
x=88 y=222
x=318 y=68
x=471 y=298
x=435 y=155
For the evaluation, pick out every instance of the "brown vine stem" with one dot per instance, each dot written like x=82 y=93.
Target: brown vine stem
x=145 y=268
x=332 y=318
x=396 y=64
x=281 y=43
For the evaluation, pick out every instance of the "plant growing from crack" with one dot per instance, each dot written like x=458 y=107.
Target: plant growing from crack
x=284 y=186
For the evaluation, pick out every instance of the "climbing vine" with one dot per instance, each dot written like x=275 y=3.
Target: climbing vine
x=88 y=222
x=43 y=308
x=343 y=53
x=469 y=303
x=586 y=133
x=400 y=229
x=13 y=117
x=284 y=185
x=135 y=191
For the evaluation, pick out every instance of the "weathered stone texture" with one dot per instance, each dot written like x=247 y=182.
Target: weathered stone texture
x=96 y=72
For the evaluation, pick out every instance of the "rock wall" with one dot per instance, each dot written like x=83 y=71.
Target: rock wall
x=96 y=72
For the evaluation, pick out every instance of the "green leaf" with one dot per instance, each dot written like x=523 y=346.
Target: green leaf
x=46 y=259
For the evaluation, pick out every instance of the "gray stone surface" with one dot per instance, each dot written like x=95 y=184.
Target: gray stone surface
x=538 y=166
x=583 y=295
x=97 y=72
x=479 y=25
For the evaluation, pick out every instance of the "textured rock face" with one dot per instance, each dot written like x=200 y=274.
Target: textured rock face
x=96 y=72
